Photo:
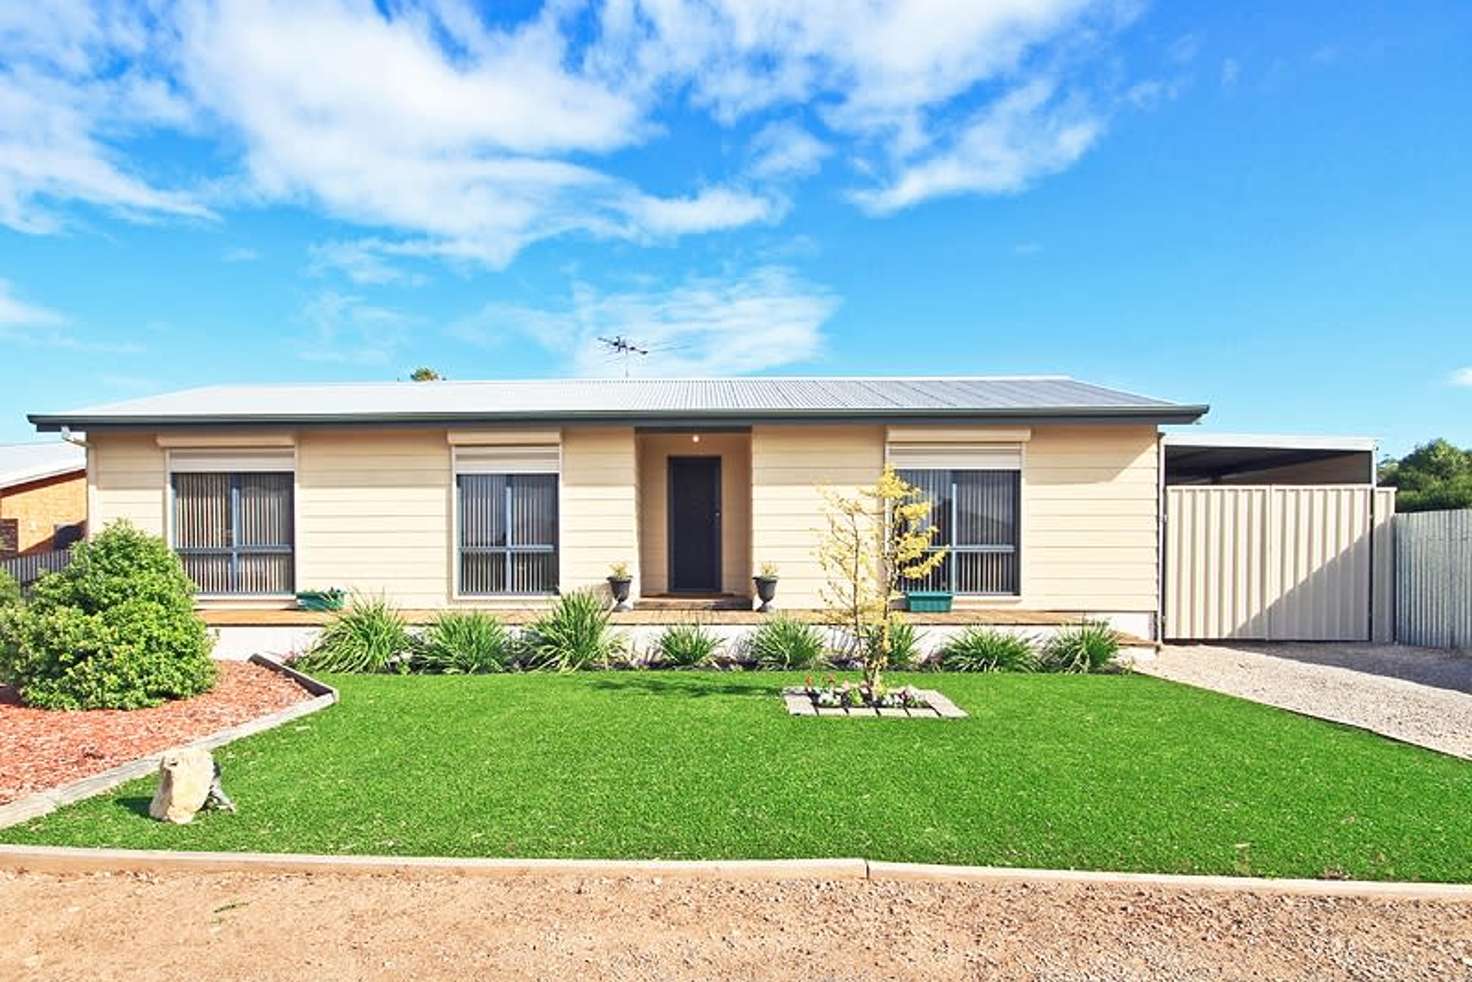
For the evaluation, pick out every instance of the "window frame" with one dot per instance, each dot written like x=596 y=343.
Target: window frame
x=481 y=459
x=511 y=549
x=235 y=462
x=981 y=549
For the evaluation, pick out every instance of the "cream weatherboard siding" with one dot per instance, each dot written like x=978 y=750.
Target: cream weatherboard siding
x=599 y=505
x=126 y=479
x=1089 y=503
x=373 y=513
x=375 y=507
x=790 y=465
x=1089 y=519
x=734 y=449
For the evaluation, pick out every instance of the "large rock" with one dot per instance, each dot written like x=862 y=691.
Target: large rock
x=184 y=779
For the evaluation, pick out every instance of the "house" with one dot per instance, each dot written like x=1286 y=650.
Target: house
x=505 y=493
x=43 y=497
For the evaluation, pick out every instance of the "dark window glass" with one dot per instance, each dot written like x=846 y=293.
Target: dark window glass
x=508 y=533
x=234 y=532
x=977 y=515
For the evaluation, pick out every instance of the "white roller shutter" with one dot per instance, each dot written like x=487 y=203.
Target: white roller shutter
x=232 y=460
x=545 y=459
x=956 y=456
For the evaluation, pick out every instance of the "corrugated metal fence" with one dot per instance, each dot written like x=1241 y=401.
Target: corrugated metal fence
x=1433 y=579
x=1278 y=563
x=27 y=569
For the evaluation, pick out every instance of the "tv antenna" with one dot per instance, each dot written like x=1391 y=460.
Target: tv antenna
x=621 y=347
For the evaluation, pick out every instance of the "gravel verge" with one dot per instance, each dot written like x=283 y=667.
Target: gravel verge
x=229 y=926
x=41 y=749
x=1416 y=695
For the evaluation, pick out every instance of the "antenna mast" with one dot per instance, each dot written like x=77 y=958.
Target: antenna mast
x=621 y=347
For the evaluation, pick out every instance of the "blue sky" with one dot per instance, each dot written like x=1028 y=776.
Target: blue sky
x=1262 y=206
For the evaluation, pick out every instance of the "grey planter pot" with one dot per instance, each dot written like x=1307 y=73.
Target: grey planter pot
x=766 y=591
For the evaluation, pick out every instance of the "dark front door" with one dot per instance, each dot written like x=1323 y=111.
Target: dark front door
x=695 y=524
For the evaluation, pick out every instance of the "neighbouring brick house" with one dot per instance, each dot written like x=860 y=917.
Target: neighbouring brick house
x=43 y=496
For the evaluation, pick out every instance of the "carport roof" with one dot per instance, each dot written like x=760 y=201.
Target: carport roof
x=1270 y=441
x=1195 y=455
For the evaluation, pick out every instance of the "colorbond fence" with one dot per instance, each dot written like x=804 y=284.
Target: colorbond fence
x=1433 y=579
x=1278 y=563
x=27 y=569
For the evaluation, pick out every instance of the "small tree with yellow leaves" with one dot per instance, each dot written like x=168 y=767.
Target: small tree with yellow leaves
x=877 y=540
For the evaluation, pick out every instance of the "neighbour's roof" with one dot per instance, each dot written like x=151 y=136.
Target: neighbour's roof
x=21 y=463
x=650 y=401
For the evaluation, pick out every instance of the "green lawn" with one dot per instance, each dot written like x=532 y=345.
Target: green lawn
x=1099 y=772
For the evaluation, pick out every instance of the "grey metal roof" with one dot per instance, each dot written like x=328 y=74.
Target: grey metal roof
x=637 y=400
x=21 y=463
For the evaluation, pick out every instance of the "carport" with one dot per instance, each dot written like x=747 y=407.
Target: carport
x=1274 y=538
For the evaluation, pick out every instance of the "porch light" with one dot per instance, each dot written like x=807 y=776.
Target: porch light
x=695 y=438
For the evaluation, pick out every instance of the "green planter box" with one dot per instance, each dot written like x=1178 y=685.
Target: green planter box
x=320 y=599
x=928 y=602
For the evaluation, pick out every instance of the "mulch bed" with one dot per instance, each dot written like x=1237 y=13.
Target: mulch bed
x=44 y=749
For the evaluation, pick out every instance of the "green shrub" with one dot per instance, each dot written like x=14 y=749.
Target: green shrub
x=114 y=629
x=984 y=649
x=904 y=644
x=368 y=636
x=9 y=590
x=573 y=635
x=784 y=644
x=687 y=646
x=465 y=643
x=1087 y=647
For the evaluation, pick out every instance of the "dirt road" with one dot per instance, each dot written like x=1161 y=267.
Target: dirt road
x=269 y=926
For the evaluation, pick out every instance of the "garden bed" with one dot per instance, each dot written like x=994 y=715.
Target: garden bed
x=42 y=749
x=846 y=700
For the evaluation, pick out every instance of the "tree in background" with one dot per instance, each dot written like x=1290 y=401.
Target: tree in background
x=425 y=374
x=1434 y=476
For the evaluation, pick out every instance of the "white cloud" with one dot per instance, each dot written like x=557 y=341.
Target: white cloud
x=443 y=134
x=714 y=325
x=1026 y=134
x=23 y=322
x=1184 y=49
x=63 y=99
x=710 y=209
x=240 y=254
x=1462 y=376
x=17 y=314
x=786 y=150
x=1231 y=71
x=361 y=261
x=346 y=329
x=881 y=61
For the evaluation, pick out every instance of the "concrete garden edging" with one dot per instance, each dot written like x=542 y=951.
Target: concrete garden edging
x=70 y=860
x=47 y=801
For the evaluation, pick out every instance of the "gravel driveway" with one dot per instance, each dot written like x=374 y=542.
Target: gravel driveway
x=284 y=926
x=1418 y=695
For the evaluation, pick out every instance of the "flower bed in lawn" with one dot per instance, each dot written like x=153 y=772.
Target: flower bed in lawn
x=834 y=698
x=42 y=749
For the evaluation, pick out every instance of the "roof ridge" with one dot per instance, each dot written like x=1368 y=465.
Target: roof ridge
x=647 y=379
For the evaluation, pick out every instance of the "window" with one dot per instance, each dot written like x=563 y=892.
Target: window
x=976 y=512
x=508 y=533
x=234 y=530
